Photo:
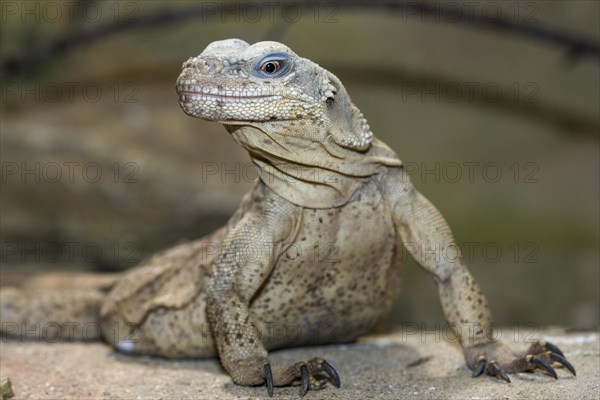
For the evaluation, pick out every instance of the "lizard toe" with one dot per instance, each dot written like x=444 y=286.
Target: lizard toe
x=497 y=360
x=311 y=375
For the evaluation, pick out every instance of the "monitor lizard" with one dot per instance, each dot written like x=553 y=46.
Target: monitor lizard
x=313 y=249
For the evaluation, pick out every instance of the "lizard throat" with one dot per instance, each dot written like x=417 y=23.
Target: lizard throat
x=308 y=170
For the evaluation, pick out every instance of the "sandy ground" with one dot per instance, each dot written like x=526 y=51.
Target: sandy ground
x=392 y=366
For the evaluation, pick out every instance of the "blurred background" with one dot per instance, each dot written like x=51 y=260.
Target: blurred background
x=493 y=107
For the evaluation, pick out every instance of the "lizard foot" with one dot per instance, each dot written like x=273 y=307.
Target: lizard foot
x=497 y=360
x=313 y=374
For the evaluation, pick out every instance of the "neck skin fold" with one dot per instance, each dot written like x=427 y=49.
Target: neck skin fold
x=308 y=168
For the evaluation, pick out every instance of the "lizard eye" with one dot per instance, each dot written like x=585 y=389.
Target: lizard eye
x=273 y=65
x=270 y=67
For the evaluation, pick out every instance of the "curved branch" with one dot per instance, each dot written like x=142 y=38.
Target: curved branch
x=576 y=47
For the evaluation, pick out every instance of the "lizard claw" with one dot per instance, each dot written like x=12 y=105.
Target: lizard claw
x=311 y=375
x=304 y=375
x=535 y=360
x=553 y=348
x=496 y=370
x=479 y=368
x=541 y=355
x=545 y=354
x=563 y=361
x=269 y=378
x=332 y=373
x=491 y=368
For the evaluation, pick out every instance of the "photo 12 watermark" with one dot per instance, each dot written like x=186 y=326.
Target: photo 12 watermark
x=485 y=172
x=69 y=172
x=69 y=92
x=470 y=92
x=69 y=252
x=471 y=251
x=69 y=12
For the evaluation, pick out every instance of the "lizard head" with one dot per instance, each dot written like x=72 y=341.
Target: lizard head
x=267 y=86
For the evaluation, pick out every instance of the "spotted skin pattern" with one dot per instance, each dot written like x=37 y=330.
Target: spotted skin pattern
x=312 y=254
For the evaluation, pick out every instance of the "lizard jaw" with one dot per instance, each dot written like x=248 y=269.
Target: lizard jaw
x=251 y=103
x=207 y=97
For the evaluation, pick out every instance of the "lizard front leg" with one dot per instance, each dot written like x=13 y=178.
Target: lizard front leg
x=249 y=252
x=428 y=238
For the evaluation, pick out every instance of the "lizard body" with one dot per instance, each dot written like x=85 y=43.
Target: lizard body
x=312 y=254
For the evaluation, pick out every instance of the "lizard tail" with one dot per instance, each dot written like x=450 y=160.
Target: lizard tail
x=55 y=307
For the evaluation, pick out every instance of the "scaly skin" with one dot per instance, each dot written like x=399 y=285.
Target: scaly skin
x=311 y=256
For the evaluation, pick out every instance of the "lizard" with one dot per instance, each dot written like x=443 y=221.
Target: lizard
x=314 y=247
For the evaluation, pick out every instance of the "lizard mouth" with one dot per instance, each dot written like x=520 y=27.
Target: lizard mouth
x=219 y=102
x=192 y=95
x=205 y=91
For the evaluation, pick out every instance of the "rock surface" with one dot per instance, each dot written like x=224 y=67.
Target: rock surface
x=398 y=365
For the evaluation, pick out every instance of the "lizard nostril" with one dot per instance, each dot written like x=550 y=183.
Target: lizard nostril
x=202 y=66
x=189 y=63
